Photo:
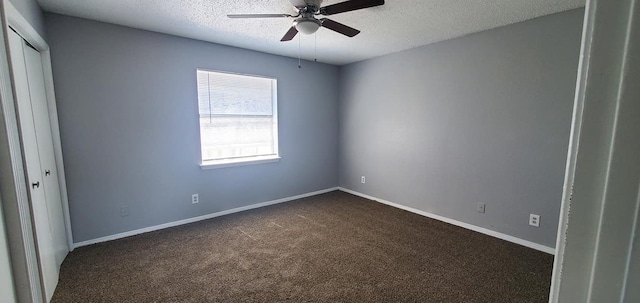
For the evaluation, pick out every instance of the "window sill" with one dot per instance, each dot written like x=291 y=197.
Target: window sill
x=214 y=164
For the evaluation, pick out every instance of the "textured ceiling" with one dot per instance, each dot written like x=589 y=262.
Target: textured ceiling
x=393 y=27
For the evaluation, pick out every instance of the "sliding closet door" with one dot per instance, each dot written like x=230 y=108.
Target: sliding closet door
x=43 y=213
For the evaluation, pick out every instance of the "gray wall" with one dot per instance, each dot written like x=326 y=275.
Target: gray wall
x=130 y=135
x=482 y=118
x=31 y=11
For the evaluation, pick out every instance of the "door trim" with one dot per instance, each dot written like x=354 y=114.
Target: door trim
x=16 y=209
x=16 y=21
x=599 y=218
x=15 y=199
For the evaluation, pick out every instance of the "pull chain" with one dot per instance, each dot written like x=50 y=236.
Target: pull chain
x=299 y=53
x=315 y=37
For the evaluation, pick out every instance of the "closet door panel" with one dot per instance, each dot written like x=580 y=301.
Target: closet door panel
x=39 y=209
x=37 y=90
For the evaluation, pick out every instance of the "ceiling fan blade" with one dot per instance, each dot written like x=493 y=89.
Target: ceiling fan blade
x=292 y=32
x=348 y=6
x=298 y=3
x=259 y=15
x=339 y=27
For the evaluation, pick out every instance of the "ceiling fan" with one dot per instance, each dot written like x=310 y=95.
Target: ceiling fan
x=306 y=21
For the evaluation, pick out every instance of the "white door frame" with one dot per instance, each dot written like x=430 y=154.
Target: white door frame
x=24 y=262
x=15 y=199
x=16 y=21
x=601 y=199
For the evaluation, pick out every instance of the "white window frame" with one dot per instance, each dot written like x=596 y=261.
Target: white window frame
x=222 y=163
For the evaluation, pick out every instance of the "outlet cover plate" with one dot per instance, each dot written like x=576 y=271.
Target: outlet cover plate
x=534 y=220
x=481 y=208
x=195 y=199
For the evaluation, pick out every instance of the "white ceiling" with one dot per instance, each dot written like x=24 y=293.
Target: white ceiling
x=397 y=25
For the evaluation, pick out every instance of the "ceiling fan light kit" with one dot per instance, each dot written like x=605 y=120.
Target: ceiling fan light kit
x=307 y=26
x=307 y=23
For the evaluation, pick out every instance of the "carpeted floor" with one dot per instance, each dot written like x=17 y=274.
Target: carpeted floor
x=334 y=247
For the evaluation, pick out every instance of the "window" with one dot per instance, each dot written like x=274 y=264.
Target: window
x=238 y=119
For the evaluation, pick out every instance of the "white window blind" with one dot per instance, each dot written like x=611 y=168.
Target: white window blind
x=238 y=116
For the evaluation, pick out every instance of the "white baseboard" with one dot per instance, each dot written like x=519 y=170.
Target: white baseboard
x=485 y=231
x=200 y=218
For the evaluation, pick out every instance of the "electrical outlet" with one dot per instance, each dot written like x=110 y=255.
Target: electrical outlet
x=481 y=207
x=195 y=199
x=363 y=180
x=534 y=220
x=124 y=211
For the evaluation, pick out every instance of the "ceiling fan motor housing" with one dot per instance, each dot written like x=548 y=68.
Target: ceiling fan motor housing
x=316 y=3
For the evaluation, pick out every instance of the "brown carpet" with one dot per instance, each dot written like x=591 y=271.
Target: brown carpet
x=334 y=247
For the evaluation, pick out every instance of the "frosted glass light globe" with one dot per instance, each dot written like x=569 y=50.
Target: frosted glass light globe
x=307 y=26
